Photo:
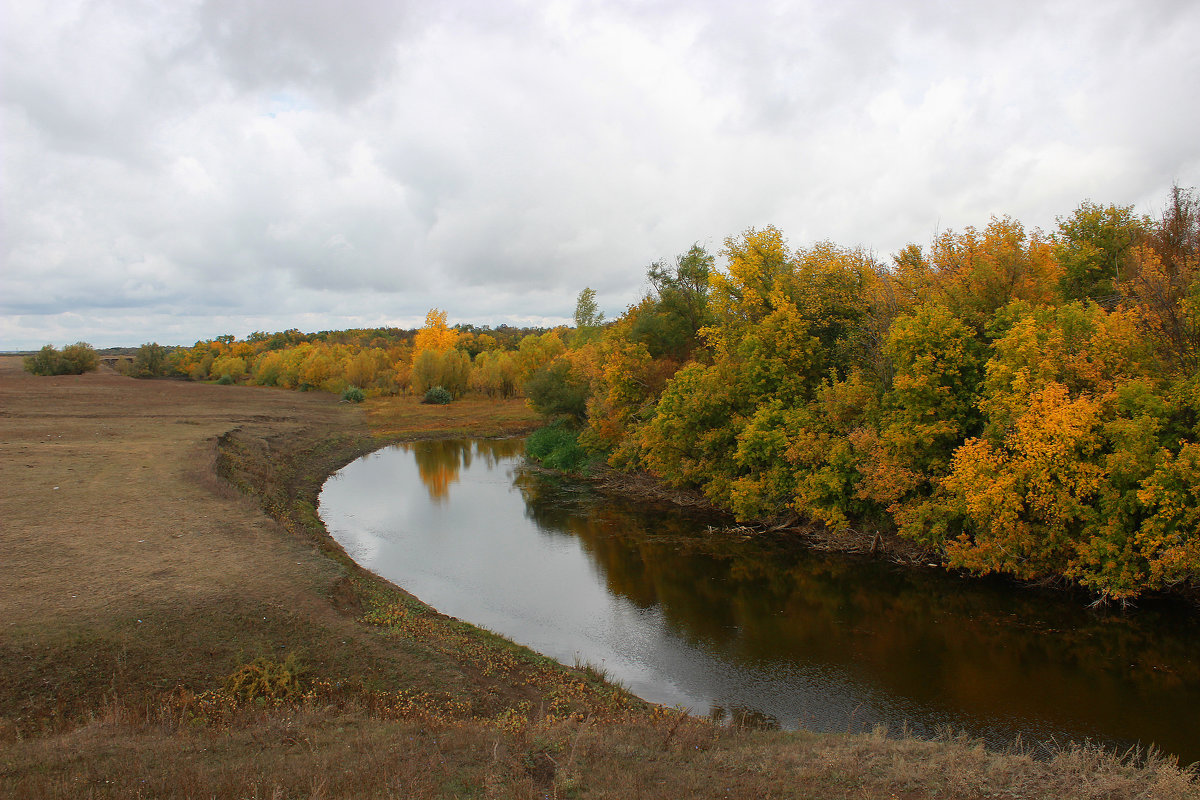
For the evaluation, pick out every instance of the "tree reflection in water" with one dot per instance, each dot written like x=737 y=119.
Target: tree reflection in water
x=439 y=461
x=1002 y=651
x=759 y=630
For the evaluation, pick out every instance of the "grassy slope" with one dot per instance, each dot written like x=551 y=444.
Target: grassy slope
x=135 y=579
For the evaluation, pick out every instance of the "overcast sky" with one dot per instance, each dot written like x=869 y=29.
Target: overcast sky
x=176 y=170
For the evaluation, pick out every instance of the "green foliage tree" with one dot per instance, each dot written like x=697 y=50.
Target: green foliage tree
x=150 y=361
x=670 y=323
x=555 y=391
x=75 y=359
x=1094 y=245
x=588 y=317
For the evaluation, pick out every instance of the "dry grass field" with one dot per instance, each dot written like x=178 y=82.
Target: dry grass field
x=174 y=622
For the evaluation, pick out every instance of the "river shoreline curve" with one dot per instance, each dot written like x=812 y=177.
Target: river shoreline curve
x=161 y=536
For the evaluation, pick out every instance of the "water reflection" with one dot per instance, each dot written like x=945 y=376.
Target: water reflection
x=439 y=461
x=944 y=643
x=761 y=629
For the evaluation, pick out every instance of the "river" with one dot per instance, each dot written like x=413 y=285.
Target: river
x=759 y=628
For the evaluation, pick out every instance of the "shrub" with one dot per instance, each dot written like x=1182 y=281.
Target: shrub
x=74 y=359
x=556 y=447
x=46 y=361
x=225 y=380
x=353 y=394
x=437 y=396
x=554 y=391
x=266 y=681
x=80 y=358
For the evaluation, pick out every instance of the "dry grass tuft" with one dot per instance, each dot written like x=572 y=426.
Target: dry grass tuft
x=960 y=767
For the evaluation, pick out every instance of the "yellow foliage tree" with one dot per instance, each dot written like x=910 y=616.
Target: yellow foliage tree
x=976 y=273
x=1029 y=500
x=435 y=335
x=759 y=266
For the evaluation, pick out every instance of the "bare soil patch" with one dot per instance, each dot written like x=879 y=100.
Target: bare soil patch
x=112 y=507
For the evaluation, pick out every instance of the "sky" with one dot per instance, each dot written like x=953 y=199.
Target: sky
x=174 y=171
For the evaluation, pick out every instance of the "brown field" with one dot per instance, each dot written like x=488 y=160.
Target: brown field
x=159 y=537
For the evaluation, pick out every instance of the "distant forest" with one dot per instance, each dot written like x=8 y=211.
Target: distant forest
x=1024 y=403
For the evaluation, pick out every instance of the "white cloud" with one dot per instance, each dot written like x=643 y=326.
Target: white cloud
x=176 y=171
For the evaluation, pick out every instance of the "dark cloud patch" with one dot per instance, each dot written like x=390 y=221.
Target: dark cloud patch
x=332 y=50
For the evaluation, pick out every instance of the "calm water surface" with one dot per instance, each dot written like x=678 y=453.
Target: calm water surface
x=757 y=627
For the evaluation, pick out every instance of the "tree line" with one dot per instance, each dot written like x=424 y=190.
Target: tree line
x=1022 y=403
x=463 y=359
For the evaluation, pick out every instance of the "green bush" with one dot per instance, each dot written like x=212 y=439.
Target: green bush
x=74 y=359
x=555 y=392
x=225 y=380
x=46 y=361
x=353 y=394
x=556 y=447
x=437 y=396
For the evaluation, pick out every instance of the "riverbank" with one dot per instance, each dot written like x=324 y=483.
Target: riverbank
x=137 y=580
x=859 y=541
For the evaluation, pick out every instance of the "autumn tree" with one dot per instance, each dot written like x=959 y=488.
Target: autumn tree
x=976 y=273
x=924 y=416
x=434 y=335
x=535 y=351
x=229 y=366
x=150 y=361
x=1029 y=498
x=268 y=367
x=1165 y=279
x=691 y=437
x=1094 y=245
x=434 y=360
x=759 y=268
x=588 y=318
x=495 y=373
x=449 y=369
